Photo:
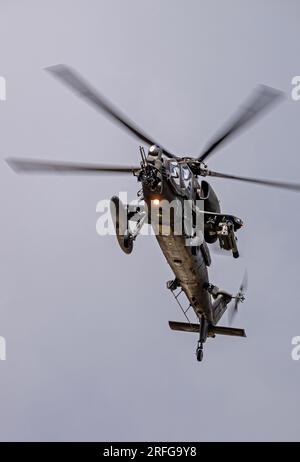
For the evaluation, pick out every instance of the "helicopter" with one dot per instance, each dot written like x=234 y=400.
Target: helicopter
x=167 y=178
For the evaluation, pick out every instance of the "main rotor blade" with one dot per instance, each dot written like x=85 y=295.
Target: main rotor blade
x=73 y=80
x=262 y=99
x=43 y=166
x=274 y=184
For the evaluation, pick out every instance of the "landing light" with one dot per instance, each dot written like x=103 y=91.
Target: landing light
x=155 y=201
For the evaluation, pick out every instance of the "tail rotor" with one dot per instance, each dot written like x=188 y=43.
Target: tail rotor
x=239 y=298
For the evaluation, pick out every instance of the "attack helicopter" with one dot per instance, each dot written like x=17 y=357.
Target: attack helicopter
x=166 y=177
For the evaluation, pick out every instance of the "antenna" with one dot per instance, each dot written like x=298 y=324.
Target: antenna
x=143 y=156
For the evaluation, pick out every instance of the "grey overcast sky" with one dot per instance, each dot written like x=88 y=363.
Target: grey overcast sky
x=89 y=352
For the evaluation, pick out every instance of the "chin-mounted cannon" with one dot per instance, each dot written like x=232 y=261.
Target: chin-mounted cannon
x=150 y=173
x=151 y=178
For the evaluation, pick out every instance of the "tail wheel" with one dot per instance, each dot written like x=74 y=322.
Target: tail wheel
x=199 y=354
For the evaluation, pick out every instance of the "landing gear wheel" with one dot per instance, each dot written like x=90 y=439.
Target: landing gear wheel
x=173 y=285
x=128 y=242
x=120 y=221
x=199 y=354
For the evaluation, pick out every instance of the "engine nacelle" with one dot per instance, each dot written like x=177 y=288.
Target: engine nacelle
x=211 y=204
x=211 y=201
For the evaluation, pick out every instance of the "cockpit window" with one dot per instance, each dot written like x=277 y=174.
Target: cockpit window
x=175 y=172
x=186 y=175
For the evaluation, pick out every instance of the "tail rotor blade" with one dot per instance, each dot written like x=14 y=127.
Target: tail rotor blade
x=232 y=311
x=239 y=298
x=244 y=285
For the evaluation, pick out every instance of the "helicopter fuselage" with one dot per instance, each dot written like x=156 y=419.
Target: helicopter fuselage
x=178 y=186
x=165 y=177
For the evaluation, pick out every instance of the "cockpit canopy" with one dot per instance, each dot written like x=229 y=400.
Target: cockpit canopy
x=181 y=177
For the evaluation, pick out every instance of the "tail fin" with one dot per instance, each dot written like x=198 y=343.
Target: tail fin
x=220 y=306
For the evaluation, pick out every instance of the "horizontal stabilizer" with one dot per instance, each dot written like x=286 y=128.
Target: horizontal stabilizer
x=212 y=330
x=184 y=326
x=220 y=330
